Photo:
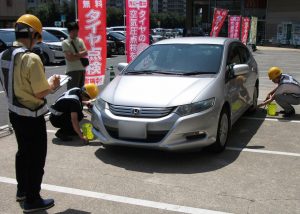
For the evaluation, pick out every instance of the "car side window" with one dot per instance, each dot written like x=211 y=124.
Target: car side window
x=233 y=58
x=244 y=55
x=233 y=55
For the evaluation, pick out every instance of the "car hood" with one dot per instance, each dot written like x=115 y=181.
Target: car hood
x=154 y=91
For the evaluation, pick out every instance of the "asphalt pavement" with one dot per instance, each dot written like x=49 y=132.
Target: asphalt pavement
x=259 y=172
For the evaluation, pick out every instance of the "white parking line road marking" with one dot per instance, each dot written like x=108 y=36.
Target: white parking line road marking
x=263 y=151
x=120 y=199
x=245 y=149
x=271 y=119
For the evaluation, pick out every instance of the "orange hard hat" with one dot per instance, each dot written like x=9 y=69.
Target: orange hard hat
x=274 y=72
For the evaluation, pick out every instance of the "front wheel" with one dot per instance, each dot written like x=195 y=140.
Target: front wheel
x=222 y=133
x=253 y=107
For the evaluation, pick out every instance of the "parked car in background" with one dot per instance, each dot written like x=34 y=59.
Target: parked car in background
x=119 y=39
x=118 y=29
x=60 y=32
x=3 y=46
x=181 y=93
x=111 y=47
x=51 y=45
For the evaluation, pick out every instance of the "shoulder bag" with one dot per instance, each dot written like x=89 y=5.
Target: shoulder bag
x=84 y=61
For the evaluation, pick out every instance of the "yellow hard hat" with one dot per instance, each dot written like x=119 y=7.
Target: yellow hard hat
x=91 y=90
x=32 y=21
x=274 y=72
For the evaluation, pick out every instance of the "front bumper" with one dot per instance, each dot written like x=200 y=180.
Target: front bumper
x=171 y=132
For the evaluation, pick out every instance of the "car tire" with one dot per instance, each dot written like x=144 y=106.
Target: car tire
x=222 y=132
x=253 y=107
x=121 y=50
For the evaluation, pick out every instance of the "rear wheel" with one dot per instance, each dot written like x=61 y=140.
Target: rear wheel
x=222 y=133
x=121 y=50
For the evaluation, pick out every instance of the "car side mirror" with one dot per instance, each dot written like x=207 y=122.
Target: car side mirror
x=121 y=66
x=62 y=38
x=240 y=69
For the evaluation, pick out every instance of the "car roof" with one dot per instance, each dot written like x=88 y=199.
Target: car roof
x=196 y=40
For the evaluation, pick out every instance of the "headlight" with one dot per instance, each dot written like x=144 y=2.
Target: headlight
x=195 y=107
x=100 y=104
x=54 y=47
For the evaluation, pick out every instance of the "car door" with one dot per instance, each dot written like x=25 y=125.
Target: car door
x=251 y=76
x=234 y=84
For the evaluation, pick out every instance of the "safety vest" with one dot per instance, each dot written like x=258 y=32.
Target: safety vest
x=288 y=85
x=7 y=59
x=285 y=78
x=65 y=96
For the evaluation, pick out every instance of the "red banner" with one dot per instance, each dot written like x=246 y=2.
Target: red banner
x=234 y=27
x=92 y=29
x=245 y=29
x=219 y=18
x=137 y=27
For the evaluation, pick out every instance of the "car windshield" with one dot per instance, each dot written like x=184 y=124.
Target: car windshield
x=48 y=37
x=8 y=36
x=178 y=59
x=118 y=36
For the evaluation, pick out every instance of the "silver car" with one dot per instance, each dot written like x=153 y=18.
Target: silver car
x=50 y=48
x=181 y=93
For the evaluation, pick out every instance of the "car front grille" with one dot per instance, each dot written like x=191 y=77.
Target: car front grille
x=152 y=136
x=139 y=112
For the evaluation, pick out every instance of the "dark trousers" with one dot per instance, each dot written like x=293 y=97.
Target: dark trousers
x=63 y=122
x=77 y=79
x=31 y=137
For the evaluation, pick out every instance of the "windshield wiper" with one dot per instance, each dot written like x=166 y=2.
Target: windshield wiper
x=150 y=72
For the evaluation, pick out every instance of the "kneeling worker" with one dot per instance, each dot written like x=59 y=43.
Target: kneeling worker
x=66 y=112
x=286 y=94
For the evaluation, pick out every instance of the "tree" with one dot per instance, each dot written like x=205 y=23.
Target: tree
x=114 y=16
x=49 y=12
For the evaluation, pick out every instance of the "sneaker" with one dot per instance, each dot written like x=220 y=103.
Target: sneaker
x=62 y=136
x=20 y=196
x=37 y=205
x=289 y=114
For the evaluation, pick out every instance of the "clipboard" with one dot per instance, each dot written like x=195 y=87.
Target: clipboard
x=63 y=80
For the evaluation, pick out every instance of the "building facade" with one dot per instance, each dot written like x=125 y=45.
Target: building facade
x=157 y=6
x=10 y=11
x=270 y=14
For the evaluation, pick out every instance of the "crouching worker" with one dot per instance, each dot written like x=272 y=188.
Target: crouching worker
x=286 y=94
x=66 y=112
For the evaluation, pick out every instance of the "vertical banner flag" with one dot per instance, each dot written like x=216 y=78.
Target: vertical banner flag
x=253 y=30
x=245 y=29
x=219 y=18
x=234 y=26
x=137 y=27
x=92 y=29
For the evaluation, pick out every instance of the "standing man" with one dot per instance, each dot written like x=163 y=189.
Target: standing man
x=66 y=112
x=74 y=49
x=286 y=94
x=23 y=79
